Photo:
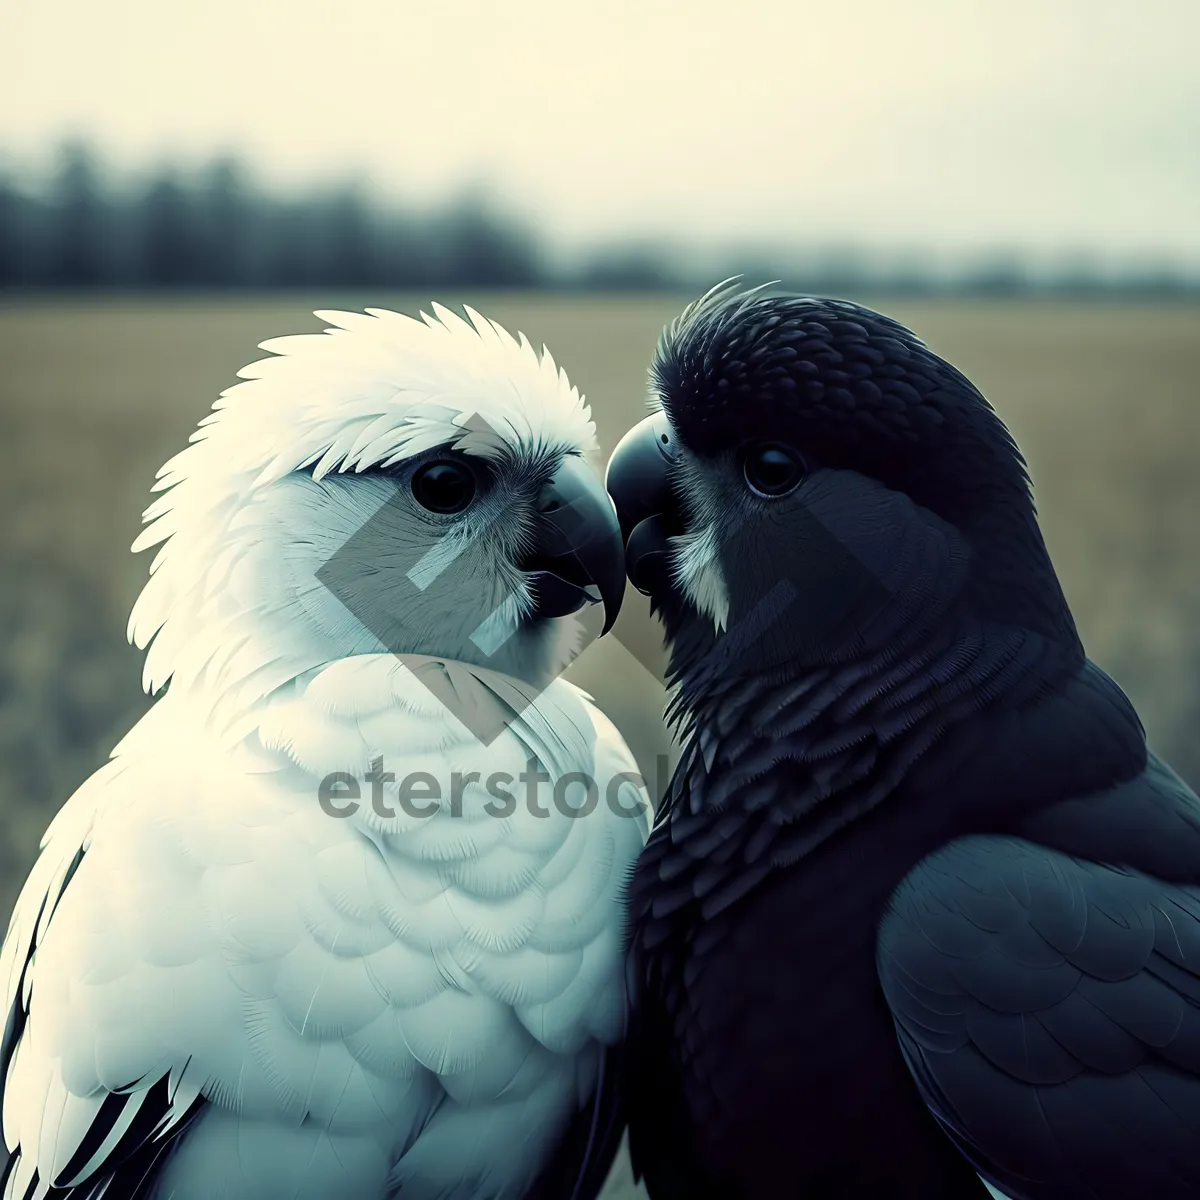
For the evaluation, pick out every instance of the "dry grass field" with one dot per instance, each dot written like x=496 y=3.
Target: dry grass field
x=95 y=394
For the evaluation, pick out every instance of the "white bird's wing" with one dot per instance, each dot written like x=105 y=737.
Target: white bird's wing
x=147 y=996
x=104 y=1143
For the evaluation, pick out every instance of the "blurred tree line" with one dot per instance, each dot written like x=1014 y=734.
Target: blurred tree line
x=215 y=228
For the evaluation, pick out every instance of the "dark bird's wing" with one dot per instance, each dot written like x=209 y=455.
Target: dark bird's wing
x=585 y=1155
x=1049 y=1009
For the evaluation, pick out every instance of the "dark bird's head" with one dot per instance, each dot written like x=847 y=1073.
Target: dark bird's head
x=818 y=486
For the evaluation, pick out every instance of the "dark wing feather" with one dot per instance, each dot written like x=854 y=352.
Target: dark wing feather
x=1049 y=1010
x=585 y=1154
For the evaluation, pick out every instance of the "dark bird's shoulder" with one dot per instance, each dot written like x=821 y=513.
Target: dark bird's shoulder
x=1149 y=823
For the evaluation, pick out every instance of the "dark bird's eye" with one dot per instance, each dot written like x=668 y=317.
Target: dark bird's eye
x=772 y=470
x=444 y=486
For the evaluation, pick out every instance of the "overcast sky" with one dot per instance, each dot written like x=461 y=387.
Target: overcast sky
x=952 y=123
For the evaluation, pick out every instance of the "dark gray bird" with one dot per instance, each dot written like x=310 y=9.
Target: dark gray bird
x=919 y=904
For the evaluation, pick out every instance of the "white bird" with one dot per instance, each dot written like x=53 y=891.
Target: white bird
x=368 y=561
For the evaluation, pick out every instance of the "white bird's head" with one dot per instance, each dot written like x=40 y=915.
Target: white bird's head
x=419 y=487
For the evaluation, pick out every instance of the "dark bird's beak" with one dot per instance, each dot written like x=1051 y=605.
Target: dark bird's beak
x=579 y=557
x=639 y=482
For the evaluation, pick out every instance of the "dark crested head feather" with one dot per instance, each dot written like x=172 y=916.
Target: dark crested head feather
x=850 y=388
x=853 y=391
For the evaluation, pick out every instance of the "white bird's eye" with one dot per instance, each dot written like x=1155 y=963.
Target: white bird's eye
x=772 y=470
x=444 y=486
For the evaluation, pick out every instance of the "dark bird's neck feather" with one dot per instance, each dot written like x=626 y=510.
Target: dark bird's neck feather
x=787 y=763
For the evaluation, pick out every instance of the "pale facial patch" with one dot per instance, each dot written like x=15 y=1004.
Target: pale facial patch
x=695 y=555
x=698 y=574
